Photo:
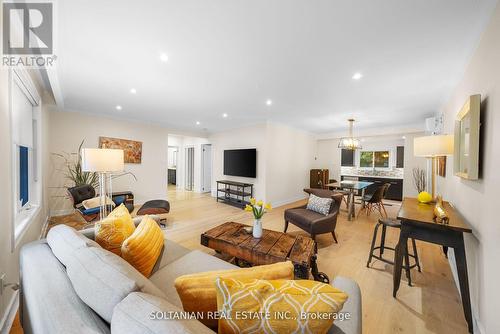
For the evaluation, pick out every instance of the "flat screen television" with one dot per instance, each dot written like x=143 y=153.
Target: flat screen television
x=240 y=162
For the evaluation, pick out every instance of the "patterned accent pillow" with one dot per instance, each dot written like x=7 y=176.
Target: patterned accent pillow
x=114 y=229
x=319 y=204
x=198 y=292
x=278 y=306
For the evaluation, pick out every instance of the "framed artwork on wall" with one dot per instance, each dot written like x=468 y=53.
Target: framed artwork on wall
x=132 y=149
x=466 y=148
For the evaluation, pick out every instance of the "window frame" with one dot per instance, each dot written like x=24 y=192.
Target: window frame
x=389 y=152
x=22 y=217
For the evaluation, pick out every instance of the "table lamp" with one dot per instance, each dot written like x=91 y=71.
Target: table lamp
x=104 y=161
x=432 y=147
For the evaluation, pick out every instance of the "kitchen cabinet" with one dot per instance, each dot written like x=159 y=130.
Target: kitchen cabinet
x=347 y=158
x=395 y=191
x=400 y=156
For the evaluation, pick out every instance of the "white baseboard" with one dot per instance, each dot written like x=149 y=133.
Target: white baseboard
x=10 y=314
x=61 y=212
x=44 y=228
x=289 y=200
x=275 y=204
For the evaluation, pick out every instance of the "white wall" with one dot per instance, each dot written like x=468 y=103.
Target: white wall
x=248 y=137
x=68 y=129
x=284 y=157
x=412 y=162
x=328 y=156
x=9 y=260
x=478 y=200
x=290 y=154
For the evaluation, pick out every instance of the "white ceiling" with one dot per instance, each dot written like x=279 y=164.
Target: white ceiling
x=230 y=56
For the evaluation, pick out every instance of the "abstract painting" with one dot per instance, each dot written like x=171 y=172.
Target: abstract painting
x=132 y=149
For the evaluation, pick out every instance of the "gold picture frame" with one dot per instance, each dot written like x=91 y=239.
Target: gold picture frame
x=466 y=148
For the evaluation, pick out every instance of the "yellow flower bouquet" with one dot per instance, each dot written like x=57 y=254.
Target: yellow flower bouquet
x=258 y=209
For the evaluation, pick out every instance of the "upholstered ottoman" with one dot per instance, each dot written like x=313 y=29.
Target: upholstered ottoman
x=155 y=207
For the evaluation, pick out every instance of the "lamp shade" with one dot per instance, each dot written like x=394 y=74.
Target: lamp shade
x=102 y=160
x=433 y=146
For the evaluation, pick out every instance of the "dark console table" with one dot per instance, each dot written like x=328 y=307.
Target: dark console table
x=417 y=222
x=234 y=193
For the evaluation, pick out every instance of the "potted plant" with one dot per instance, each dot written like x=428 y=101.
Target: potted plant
x=258 y=210
x=420 y=182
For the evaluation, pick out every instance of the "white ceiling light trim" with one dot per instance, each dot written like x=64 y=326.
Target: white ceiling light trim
x=133 y=91
x=118 y=107
x=269 y=102
x=163 y=57
x=357 y=76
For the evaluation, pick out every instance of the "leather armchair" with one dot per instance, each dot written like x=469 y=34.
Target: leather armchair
x=312 y=222
x=80 y=193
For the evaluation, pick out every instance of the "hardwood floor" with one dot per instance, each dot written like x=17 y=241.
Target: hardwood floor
x=431 y=305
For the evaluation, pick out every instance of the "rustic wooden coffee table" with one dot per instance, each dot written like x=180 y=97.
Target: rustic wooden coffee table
x=234 y=240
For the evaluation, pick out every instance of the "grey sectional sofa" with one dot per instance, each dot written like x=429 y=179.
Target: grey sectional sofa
x=50 y=304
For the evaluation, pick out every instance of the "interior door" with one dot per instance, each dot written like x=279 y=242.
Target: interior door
x=206 y=165
x=189 y=184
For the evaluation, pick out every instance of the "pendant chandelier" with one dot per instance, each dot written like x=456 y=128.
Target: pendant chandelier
x=350 y=143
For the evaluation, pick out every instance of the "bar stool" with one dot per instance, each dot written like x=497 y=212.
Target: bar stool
x=388 y=222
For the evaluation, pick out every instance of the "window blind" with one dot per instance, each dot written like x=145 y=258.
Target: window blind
x=22 y=118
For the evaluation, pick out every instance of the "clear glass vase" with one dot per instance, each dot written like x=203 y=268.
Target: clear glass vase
x=257 y=228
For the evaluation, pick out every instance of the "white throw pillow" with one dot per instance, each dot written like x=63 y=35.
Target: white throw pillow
x=319 y=204
x=133 y=316
x=102 y=279
x=64 y=240
x=96 y=202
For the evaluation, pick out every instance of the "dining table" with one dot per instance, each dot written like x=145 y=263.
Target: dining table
x=353 y=187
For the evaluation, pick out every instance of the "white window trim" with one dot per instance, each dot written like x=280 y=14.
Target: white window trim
x=22 y=219
x=391 y=164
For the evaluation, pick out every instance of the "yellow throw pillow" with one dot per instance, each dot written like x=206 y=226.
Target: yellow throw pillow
x=121 y=211
x=277 y=306
x=197 y=291
x=144 y=246
x=114 y=229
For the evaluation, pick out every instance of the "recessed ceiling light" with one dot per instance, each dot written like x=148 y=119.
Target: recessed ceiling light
x=133 y=90
x=224 y=115
x=164 y=57
x=118 y=107
x=269 y=102
x=198 y=123
x=357 y=76
x=404 y=137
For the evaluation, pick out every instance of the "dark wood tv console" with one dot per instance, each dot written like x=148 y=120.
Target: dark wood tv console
x=234 y=193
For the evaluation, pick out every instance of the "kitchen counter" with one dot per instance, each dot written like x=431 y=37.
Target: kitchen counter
x=373 y=176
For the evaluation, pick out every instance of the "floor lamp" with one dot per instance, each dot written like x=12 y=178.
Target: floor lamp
x=433 y=147
x=103 y=161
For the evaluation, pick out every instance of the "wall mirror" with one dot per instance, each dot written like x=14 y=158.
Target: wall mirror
x=466 y=148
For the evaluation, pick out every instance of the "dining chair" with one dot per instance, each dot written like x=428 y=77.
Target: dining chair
x=375 y=200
